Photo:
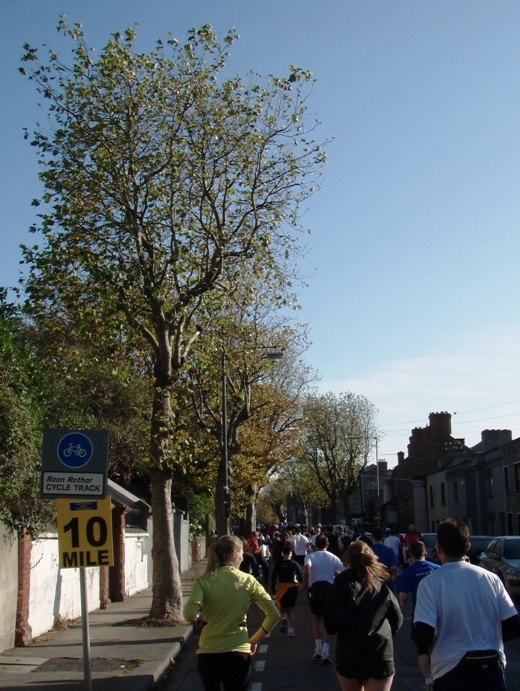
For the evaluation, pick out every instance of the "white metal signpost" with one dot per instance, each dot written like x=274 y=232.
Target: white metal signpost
x=74 y=472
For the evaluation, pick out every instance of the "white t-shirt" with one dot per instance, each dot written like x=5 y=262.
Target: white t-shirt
x=323 y=566
x=299 y=543
x=466 y=605
x=394 y=542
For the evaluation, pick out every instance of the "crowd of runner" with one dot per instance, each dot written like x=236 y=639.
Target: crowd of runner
x=355 y=583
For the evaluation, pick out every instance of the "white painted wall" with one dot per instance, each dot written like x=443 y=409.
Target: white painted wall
x=138 y=549
x=55 y=592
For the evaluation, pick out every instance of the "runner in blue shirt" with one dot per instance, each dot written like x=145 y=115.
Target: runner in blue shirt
x=411 y=577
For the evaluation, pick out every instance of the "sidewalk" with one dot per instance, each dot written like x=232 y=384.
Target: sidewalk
x=123 y=657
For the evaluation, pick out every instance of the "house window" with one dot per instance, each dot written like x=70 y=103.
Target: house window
x=455 y=492
x=443 y=494
x=517 y=477
x=489 y=482
x=431 y=495
x=509 y=518
x=507 y=488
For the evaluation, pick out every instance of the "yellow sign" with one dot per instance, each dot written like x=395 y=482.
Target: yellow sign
x=85 y=533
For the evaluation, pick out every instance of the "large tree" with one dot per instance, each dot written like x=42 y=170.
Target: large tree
x=162 y=178
x=339 y=432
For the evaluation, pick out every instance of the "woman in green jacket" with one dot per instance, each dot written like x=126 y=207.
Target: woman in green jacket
x=223 y=596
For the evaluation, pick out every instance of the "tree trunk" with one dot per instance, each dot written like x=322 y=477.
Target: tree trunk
x=167 y=588
x=251 y=508
x=346 y=507
x=167 y=600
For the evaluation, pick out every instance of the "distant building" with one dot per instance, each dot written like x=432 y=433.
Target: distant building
x=368 y=497
x=442 y=477
x=475 y=487
x=430 y=450
x=512 y=486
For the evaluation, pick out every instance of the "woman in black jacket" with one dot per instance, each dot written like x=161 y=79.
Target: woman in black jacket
x=365 y=614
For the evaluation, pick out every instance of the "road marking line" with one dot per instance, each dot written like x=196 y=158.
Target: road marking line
x=259 y=665
x=256 y=686
x=262 y=649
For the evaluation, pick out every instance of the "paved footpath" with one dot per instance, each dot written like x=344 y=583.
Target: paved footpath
x=124 y=657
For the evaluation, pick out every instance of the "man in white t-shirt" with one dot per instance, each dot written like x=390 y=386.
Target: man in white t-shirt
x=320 y=568
x=300 y=545
x=315 y=532
x=391 y=540
x=465 y=612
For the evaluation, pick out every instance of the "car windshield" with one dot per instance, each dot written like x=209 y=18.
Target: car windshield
x=479 y=544
x=512 y=549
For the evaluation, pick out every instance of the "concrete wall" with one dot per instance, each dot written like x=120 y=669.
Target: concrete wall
x=55 y=592
x=138 y=551
x=8 y=586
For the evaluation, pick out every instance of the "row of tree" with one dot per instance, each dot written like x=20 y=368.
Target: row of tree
x=337 y=436
x=167 y=237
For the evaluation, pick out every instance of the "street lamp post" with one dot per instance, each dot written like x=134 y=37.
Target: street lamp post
x=224 y=440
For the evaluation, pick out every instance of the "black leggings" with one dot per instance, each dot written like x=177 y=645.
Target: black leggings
x=232 y=670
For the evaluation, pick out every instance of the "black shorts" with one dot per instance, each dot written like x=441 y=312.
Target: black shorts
x=374 y=670
x=232 y=670
x=317 y=594
x=289 y=598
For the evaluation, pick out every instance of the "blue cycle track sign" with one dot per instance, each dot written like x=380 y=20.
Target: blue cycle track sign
x=74 y=463
x=75 y=450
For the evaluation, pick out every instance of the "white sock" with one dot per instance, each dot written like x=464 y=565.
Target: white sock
x=319 y=645
x=326 y=649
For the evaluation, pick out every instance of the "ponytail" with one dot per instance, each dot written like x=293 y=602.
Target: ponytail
x=362 y=560
x=220 y=553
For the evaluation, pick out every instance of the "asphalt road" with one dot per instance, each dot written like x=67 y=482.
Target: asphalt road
x=286 y=663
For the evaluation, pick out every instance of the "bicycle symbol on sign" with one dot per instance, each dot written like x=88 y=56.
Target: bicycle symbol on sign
x=74 y=449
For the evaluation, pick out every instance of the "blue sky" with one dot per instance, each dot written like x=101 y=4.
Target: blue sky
x=413 y=257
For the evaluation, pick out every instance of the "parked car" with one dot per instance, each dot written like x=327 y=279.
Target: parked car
x=502 y=556
x=478 y=545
